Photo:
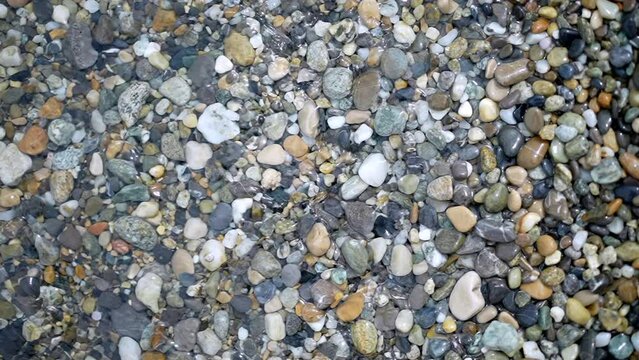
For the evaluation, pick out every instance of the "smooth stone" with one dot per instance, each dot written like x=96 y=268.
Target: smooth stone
x=182 y=262
x=238 y=48
x=441 y=188
x=177 y=90
x=503 y=337
x=266 y=264
x=401 y=261
x=466 y=299
x=404 y=321
x=508 y=74
x=373 y=170
x=366 y=88
x=273 y=154
x=620 y=346
x=318 y=240
x=13 y=164
x=576 y=312
x=208 y=341
x=274 y=326
x=510 y=140
x=495 y=231
x=364 y=335
x=148 y=291
x=223 y=64
x=129 y=349
x=308 y=119
x=408 y=184
x=393 y=63
x=131 y=101
x=351 y=308
x=197 y=154
x=337 y=83
x=537 y=290
x=10 y=56
x=390 y=120
x=532 y=153
x=448 y=241
x=496 y=198
x=212 y=255
x=488 y=110
x=317 y=56
x=352 y=188
x=355 y=255
x=137 y=232
x=218 y=124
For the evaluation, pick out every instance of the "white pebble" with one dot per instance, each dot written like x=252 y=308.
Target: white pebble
x=195 y=228
x=223 y=64
x=129 y=349
x=363 y=133
x=404 y=321
x=532 y=351
x=240 y=206
x=148 y=291
x=579 y=239
x=448 y=38
x=602 y=339
x=373 y=169
x=557 y=313
x=336 y=122
x=60 y=14
x=274 y=325
x=590 y=117
x=91 y=6
x=542 y=66
x=465 y=110
x=403 y=33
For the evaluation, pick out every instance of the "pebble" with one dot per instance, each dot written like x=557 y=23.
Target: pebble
x=13 y=164
x=377 y=178
x=218 y=124
x=373 y=170
x=401 y=261
x=148 y=291
x=364 y=337
x=466 y=299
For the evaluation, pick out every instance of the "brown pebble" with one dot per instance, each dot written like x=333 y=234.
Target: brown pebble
x=537 y=290
x=52 y=109
x=34 y=141
x=546 y=245
x=164 y=20
x=295 y=146
x=532 y=153
x=630 y=163
x=351 y=308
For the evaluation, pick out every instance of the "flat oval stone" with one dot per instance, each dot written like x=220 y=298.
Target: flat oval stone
x=532 y=153
x=366 y=89
x=466 y=299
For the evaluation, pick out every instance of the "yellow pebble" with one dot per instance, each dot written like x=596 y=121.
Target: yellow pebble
x=548 y=12
x=190 y=121
x=449 y=325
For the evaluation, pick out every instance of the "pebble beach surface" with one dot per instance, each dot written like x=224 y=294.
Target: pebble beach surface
x=319 y=179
